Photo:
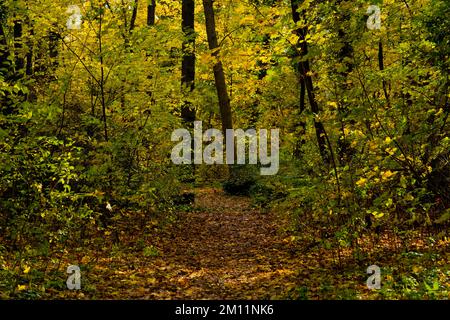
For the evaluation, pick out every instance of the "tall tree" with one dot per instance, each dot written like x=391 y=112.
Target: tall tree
x=306 y=81
x=344 y=58
x=219 y=76
x=18 y=45
x=5 y=65
x=151 y=12
x=4 y=53
x=134 y=15
x=188 y=62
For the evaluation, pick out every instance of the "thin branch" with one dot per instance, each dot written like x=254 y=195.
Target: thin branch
x=79 y=59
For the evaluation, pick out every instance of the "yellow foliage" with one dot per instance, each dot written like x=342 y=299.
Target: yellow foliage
x=385 y=175
x=361 y=182
x=21 y=287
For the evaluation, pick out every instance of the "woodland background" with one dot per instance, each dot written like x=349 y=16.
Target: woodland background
x=86 y=117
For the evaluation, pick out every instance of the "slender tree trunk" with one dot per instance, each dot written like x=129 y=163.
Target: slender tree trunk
x=305 y=80
x=219 y=76
x=134 y=15
x=102 y=77
x=18 y=45
x=53 y=41
x=188 y=62
x=381 y=66
x=345 y=55
x=5 y=68
x=4 y=53
x=11 y=72
x=151 y=12
x=29 y=65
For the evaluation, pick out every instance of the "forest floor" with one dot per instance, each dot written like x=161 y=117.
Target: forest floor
x=222 y=249
x=225 y=248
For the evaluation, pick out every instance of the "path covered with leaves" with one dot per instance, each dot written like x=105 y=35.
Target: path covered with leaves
x=223 y=249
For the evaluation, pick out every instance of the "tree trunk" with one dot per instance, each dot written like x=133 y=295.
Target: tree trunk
x=29 y=65
x=344 y=55
x=188 y=62
x=151 y=13
x=5 y=68
x=4 y=63
x=134 y=15
x=19 y=59
x=305 y=81
x=219 y=76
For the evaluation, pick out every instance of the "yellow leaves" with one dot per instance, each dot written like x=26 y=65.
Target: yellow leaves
x=391 y=151
x=293 y=39
x=373 y=174
x=246 y=20
x=204 y=76
x=334 y=104
x=85 y=260
x=240 y=9
x=291 y=239
x=197 y=274
x=140 y=290
x=385 y=175
x=207 y=59
x=358 y=133
x=373 y=146
x=440 y=111
x=21 y=287
x=361 y=182
x=38 y=186
x=377 y=214
x=26 y=269
x=403 y=182
x=389 y=203
x=346 y=194
x=417 y=269
x=96 y=194
x=183 y=281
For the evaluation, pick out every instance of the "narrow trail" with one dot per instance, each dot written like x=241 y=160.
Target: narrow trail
x=228 y=250
x=223 y=249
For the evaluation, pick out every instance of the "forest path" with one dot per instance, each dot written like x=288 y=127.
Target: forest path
x=223 y=249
